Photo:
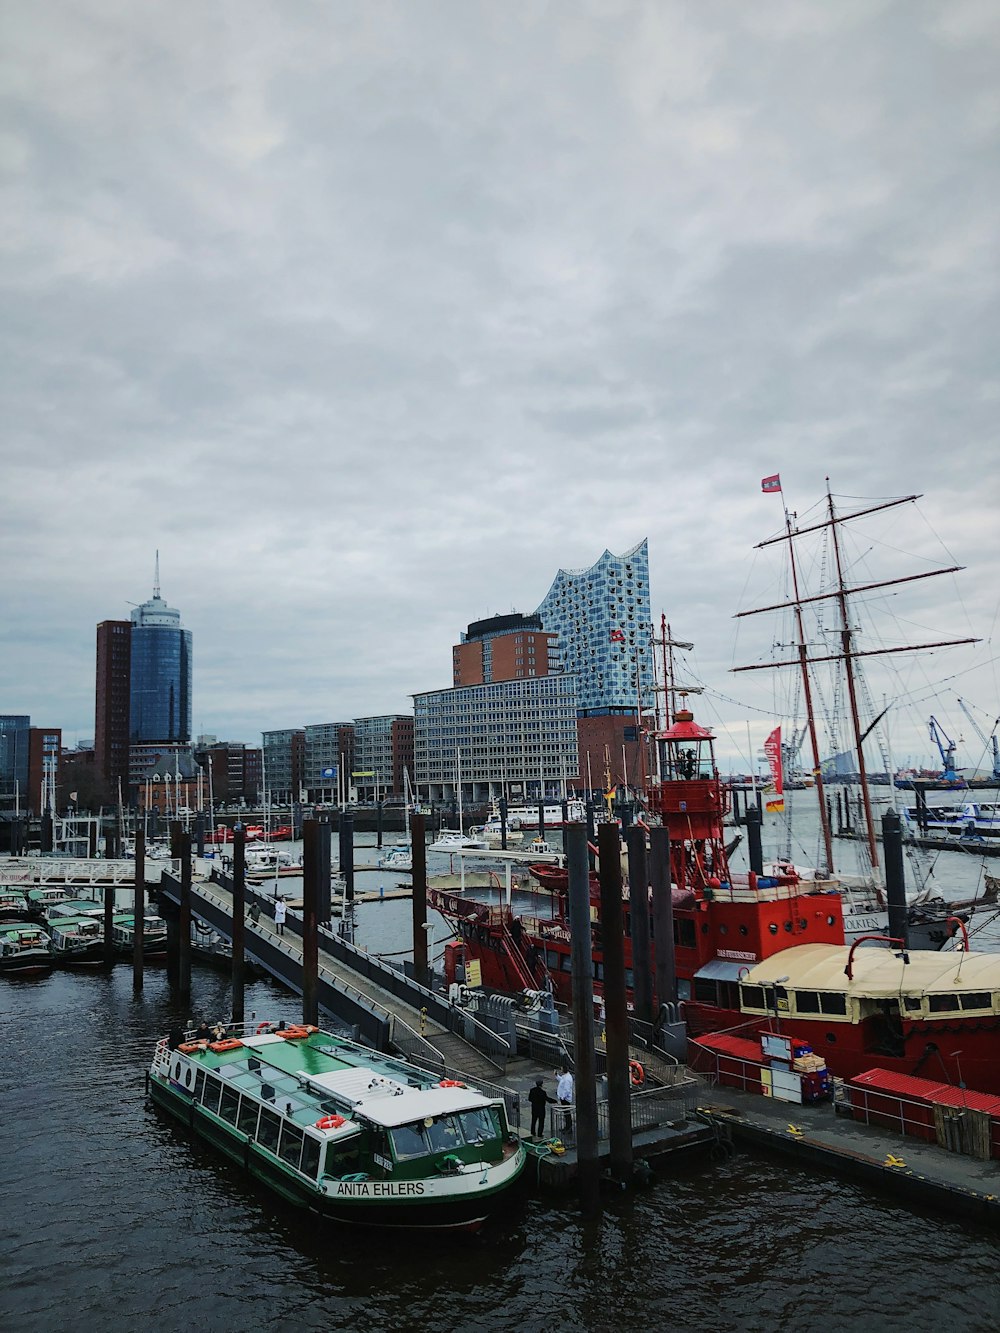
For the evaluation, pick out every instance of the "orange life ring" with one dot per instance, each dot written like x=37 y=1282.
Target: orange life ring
x=263 y=1027
x=636 y=1073
x=330 y=1122
x=450 y=1083
x=230 y=1044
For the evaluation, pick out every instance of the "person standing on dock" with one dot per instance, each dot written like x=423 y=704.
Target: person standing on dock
x=279 y=915
x=539 y=1099
x=564 y=1091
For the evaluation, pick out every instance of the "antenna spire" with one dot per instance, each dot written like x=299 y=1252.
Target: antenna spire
x=156 y=577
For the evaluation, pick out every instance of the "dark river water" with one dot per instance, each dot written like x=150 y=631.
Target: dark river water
x=113 y=1217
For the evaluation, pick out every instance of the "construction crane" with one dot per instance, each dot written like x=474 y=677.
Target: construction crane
x=990 y=740
x=946 y=749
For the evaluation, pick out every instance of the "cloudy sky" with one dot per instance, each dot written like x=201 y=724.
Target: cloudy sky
x=370 y=316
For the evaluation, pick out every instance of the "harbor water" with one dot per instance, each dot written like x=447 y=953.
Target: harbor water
x=115 y=1217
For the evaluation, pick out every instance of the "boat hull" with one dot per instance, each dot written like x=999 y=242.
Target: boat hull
x=25 y=967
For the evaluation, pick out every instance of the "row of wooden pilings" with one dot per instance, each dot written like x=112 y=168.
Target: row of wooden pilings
x=647 y=867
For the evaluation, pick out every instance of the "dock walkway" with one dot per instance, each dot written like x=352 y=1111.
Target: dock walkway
x=817 y=1135
x=387 y=1008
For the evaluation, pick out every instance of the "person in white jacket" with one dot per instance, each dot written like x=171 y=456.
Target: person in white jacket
x=279 y=915
x=564 y=1092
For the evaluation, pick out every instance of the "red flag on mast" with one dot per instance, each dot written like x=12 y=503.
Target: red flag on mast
x=771 y=483
x=774 y=799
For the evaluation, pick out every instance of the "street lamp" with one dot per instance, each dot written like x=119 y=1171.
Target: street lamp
x=778 y=981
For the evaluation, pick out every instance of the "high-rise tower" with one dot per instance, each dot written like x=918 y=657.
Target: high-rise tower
x=160 y=703
x=111 y=713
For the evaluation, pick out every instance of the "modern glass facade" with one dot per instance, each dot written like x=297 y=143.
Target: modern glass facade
x=160 y=686
x=604 y=625
x=513 y=735
x=14 y=729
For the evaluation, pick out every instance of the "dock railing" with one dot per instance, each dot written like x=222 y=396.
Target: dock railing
x=650 y=1109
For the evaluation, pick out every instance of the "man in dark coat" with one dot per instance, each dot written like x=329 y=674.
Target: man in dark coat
x=539 y=1099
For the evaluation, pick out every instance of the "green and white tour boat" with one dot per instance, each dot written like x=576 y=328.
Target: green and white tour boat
x=337 y=1128
x=25 y=949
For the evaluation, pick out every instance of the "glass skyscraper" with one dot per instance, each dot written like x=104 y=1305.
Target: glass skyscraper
x=14 y=730
x=160 y=693
x=603 y=620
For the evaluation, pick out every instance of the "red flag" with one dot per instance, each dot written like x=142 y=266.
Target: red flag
x=617 y=636
x=774 y=800
x=771 y=483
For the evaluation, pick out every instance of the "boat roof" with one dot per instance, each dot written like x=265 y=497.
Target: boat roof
x=878 y=973
x=312 y=1072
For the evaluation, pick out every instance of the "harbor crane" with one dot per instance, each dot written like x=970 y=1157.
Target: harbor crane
x=946 y=749
x=990 y=740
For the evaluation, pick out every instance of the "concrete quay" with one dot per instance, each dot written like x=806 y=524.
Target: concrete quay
x=818 y=1135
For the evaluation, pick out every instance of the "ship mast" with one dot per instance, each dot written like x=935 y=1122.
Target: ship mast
x=846 y=636
x=848 y=654
x=824 y=814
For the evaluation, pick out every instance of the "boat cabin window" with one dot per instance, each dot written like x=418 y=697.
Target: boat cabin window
x=752 y=997
x=706 y=990
x=818 y=1002
x=478 y=1126
x=268 y=1130
x=229 y=1105
x=246 y=1121
x=310 y=1157
x=211 y=1093
x=444 y=1134
x=290 y=1147
x=407 y=1142
x=684 y=934
x=950 y=1004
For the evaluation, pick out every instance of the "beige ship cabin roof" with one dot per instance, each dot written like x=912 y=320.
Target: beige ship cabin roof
x=878 y=973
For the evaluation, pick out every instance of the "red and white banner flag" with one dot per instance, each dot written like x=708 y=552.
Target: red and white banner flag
x=774 y=797
x=771 y=483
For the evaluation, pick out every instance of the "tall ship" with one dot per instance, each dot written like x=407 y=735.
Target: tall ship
x=331 y=1126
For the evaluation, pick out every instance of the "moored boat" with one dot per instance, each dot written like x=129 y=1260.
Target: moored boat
x=453 y=840
x=77 y=941
x=332 y=1126
x=13 y=904
x=25 y=949
x=396 y=858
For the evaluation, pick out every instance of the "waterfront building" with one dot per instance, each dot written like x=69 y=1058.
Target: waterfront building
x=383 y=747
x=603 y=623
x=232 y=771
x=171 y=783
x=44 y=751
x=512 y=737
x=160 y=674
x=283 y=764
x=113 y=693
x=329 y=755
x=14 y=728
x=510 y=647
